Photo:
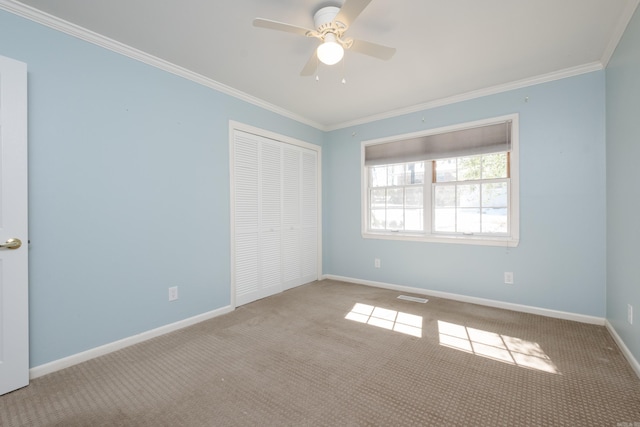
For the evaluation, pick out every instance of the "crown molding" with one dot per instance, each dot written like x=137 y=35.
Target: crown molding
x=625 y=18
x=53 y=22
x=544 y=78
x=82 y=33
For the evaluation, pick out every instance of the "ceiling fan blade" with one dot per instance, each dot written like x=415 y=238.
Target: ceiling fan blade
x=311 y=65
x=280 y=26
x=373 y=49
x=350 y=11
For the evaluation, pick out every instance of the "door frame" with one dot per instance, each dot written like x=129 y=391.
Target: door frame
x=243 y=127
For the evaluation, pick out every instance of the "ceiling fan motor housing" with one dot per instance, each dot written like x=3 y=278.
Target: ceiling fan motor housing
x=324 y=17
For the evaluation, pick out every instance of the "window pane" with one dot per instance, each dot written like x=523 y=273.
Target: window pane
x=468 y=220
x=378 y=198
x=445 y=170
x=396 y=175
x=414 y=219
x=445 y=196
x=379 y=176
x=395 y=219
x=494 y=195
x=413 y=197
x=415 y=173
x=444 y=220
x=469 y=168
x=395 y=197
x=469 y=196
x=378 y=219
x=494 y=220
x=494 y=166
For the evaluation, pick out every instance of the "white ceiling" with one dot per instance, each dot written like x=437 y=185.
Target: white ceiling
x=445 y=48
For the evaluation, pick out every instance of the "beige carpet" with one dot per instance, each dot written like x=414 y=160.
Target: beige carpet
x=306 y=357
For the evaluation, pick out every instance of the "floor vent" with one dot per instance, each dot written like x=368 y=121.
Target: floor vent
x=414 y=299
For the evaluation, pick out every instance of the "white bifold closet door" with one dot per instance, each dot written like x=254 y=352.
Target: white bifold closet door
x=309 y=216
x=275 y=192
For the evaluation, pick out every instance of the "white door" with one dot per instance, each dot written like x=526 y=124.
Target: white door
x=256 y=199
x=275 y=215
x=309 y=216
x=14 y=327
x=270 y=212
x=300 y=216
x=246 y=217
x=291 y=268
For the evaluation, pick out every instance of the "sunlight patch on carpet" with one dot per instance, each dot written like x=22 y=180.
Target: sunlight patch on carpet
x=393 y=320
x=514 y=351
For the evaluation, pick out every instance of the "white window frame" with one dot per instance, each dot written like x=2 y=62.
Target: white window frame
x=512 y=239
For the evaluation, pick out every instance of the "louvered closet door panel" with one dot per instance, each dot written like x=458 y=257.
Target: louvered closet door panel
x=270 y=217
x=246 y=265
x=246 y=217
x=309 y=216
x=270 y=263
x=291 y=186
x=246 y=183
x=291 y=267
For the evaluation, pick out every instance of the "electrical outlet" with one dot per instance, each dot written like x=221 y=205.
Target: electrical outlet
x=376 y=263
x=173 y=293
x=508 y=277
x=630 y=314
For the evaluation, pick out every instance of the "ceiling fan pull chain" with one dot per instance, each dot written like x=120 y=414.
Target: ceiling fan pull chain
x=344 y=67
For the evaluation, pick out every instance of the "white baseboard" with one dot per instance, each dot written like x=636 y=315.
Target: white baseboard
x=474 y=300
x=66 y=362
x=623 y=347
x=74 y=359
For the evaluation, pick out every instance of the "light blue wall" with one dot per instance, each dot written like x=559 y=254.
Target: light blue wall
x=560 y=262
x=126 y=159
x=129 y=190
x=623 y=186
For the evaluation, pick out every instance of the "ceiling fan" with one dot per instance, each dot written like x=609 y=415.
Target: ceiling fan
x=331 y=23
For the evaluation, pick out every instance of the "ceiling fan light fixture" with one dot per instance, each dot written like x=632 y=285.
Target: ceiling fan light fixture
x=330 y=52
x=330 y=24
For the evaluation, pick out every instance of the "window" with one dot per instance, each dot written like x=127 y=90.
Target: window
x=457 y=184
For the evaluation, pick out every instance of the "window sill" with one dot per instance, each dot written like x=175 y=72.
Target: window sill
x=506 y=241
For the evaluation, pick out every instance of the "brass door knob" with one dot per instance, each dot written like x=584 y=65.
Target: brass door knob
x=11 y=244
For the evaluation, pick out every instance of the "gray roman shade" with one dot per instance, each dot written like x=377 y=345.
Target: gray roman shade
x=492 y=138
